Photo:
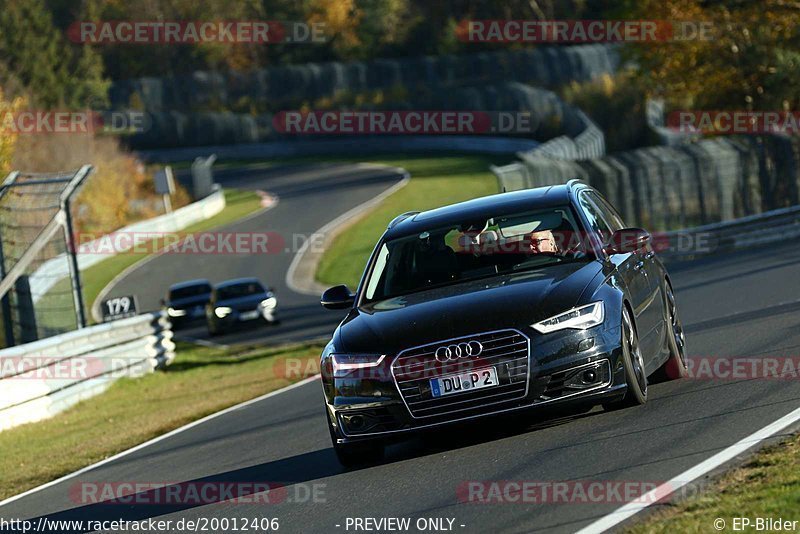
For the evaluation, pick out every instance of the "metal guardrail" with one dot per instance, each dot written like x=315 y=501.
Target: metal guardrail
x=739 y=234
x=42 y=378
x=376 y=144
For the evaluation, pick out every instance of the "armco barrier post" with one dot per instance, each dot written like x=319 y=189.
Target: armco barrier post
x=72 y=247
x=74 y=271
x=5 y=303
x=27 y=314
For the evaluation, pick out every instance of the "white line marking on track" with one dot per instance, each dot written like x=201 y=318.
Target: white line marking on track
x=160 y=438
x=352 y=213
x=671 y=486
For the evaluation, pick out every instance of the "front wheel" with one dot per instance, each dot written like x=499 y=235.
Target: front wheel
x=675 y=367
x=633 y=362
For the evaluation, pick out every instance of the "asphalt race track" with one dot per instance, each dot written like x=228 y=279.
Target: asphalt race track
x=739 y=304
x=309 y=197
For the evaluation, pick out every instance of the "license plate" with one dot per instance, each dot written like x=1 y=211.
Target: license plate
x=246 y=316
x=478 y=379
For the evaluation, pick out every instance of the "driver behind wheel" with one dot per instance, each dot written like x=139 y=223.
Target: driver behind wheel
x=541 y=242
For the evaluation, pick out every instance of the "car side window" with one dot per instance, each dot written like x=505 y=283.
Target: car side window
x=609 y=214
x=596 y=221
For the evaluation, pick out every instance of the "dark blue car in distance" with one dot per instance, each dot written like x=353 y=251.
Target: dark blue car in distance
x=241 y=301
x=186 y=301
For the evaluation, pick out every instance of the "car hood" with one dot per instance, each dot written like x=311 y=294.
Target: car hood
x=188 y=302
x=245 y=303
x=507 y=301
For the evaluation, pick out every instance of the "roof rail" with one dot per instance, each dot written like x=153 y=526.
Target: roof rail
x=576 y=181
x=401 y=217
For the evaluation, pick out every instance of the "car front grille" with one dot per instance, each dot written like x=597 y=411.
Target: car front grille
x=505 y=350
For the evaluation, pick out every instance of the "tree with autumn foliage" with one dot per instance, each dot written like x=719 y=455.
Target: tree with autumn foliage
x=750 y=61
x=8 y=137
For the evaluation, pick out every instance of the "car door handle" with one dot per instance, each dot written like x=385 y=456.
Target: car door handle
x=638 y=266
x=649 y=255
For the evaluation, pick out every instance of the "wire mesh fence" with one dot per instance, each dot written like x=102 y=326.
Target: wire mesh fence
x=39 y=287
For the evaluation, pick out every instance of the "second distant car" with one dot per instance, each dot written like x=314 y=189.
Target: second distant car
x=186 y=301
x=242 y=300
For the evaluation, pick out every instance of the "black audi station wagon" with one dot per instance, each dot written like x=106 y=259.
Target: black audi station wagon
x=504 y=303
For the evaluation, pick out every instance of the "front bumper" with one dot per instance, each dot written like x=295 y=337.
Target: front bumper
x=186 y=315
x=370 y=405
x=247 y=315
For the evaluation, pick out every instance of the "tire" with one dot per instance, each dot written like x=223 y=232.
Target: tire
x=675 y=367
x=358 y=453
x=633 y=362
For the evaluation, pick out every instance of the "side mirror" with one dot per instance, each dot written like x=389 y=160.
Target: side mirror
x=337 y=298
x=627 y=240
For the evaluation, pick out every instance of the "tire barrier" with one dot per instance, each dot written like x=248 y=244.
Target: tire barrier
x=40 y=379
x=666 y=187
x=268 y=89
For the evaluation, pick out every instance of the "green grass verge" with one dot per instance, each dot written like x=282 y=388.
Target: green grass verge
x=201 y=381
x=767 y=486
x=238 y=204
x=435 y=181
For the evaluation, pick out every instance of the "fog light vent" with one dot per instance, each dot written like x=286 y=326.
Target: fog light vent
x=588 y=377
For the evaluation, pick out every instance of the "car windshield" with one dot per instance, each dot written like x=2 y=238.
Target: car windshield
x=474 y=249
x=189 y=291
x=239 y=290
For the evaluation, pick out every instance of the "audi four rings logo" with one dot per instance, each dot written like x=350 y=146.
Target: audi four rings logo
x=458 y=350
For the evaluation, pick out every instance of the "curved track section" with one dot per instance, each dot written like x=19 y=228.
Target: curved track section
x=310 y=196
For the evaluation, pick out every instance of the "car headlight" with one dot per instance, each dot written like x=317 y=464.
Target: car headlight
x=579 y=318
x=222 y=311
x=269 y=303
x=346 y=362
x=172 y=312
